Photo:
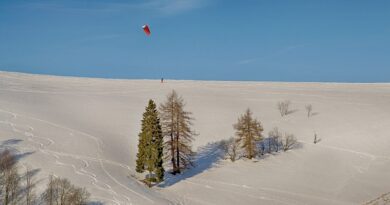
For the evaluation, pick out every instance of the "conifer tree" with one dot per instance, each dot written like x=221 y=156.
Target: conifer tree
x=150 y=145
x=160 y=154
x=248 y=131
x=140 y=162
x=176 y=125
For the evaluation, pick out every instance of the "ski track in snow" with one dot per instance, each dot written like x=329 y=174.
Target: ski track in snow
x=55 y=154
x=237 y=193
x=262 y=189
x=364 y=154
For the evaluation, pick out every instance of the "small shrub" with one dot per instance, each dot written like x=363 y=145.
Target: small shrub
x=284 y=107
x=289 y=142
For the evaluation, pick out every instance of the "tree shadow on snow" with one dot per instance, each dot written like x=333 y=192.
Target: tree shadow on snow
x=20 y=156
x=314 y=114
x=95 y=203
x=206 y=157
x=8 y=145
x=10 y=142
x=209 y=156
x=291 y=111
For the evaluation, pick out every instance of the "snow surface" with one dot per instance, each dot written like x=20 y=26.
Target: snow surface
x=86 y=129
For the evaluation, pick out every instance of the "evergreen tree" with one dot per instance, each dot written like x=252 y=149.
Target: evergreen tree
x=140 y=162
x=150 y=145
x=159 y=162
x=248 y=131
x=176 y=127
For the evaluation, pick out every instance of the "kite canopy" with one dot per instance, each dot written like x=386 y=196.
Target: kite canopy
x=146 y=29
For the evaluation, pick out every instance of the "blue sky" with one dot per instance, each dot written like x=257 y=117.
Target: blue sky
x=261 y=40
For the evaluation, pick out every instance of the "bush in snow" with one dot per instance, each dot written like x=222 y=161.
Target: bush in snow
x=230 y=148
x=309 y=108
x=283 y=107
x=289 y=141
x=275 y=140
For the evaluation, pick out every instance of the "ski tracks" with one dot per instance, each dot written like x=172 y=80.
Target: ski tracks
x=43 y=148
x=262 y=189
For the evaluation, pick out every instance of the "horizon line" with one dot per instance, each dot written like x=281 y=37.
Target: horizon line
x=184 y=79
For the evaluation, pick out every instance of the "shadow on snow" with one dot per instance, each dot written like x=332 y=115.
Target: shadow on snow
x=8 y=145
x=206 y=157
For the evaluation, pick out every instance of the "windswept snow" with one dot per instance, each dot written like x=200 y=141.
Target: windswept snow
x=86 y=130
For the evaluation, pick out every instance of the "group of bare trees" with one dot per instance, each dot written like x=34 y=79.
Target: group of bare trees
x=60 y=191
x=273 y=143
x=249 y=141
x=9 y=178
x=20 y=189
x=284 y=108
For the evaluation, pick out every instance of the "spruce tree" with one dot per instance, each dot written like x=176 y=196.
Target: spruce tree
x=176 y=124
x=140 y=162
x=150 y=145
x=248 y=131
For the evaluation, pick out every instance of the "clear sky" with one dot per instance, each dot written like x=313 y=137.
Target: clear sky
x=262 y=40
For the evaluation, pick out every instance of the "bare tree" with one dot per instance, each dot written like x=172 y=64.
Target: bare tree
x=289 y=142
x=50 y=195
x=275 y=137
x=309 y=108
x=60 y=191
x=14 y=182
x=262 y=148
x=283 y=107
x=29 y=189
x=78 y=196
x=65 y=189
x=9 y=178
x=230 y=148
x=168 y=125
x=248 y=131
x=316 y=139
x=3 y=168
x=176 y=127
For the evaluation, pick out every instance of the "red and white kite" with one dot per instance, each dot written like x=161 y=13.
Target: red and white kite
x=146 y=29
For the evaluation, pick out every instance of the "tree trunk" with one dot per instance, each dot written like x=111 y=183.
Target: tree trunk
x=177 y=154
x=173 y=154
x=6 y=197
x=172 y=139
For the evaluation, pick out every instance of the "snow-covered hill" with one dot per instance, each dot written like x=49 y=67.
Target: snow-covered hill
x=86 y=130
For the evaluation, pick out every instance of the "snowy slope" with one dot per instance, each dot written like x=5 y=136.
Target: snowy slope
x=86 y=130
